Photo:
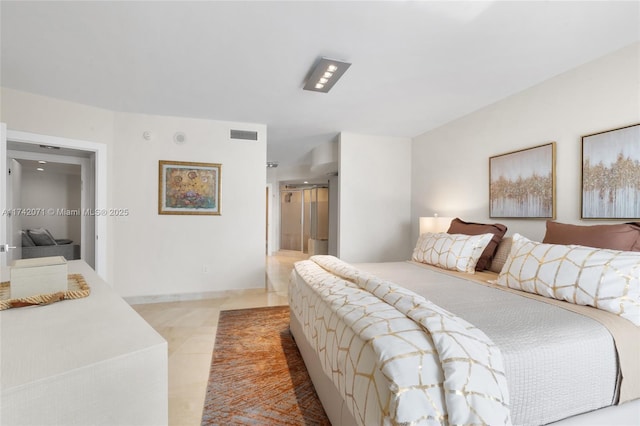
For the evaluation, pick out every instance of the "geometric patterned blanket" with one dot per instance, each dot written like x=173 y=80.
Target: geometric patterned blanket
x=395 y=357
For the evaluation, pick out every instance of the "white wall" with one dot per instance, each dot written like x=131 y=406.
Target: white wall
x=334 y=214
x=375 y=194
x=52 y=190
x=274 y=211
x=151 y=254
x=177 y=249
x=450 y=170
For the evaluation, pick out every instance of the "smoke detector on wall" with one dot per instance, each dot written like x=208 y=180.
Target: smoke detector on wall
x=180 y=138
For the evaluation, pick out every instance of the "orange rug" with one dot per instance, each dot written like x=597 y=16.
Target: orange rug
x=257 y=374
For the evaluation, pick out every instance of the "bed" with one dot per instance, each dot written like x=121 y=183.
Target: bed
x=417 y=343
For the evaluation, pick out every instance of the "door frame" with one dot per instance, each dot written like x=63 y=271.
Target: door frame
x=4 y=237
x=13 y=221
x=100 y=152
x=270 y=206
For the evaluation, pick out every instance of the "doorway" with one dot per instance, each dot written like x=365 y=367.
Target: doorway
x=92 y=159
x=304 y=219
x=57 y=192
x=291 y=220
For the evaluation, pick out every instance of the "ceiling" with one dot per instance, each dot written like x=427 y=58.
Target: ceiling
x=416 y=65
x=50 y=167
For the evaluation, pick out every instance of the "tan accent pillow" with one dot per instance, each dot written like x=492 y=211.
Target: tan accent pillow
x=458 y=226
x=623 y=236
x=500 y=258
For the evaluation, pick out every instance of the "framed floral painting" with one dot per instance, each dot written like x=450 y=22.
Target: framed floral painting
x=189 y=188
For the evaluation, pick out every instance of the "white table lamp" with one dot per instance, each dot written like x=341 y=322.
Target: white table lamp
x=434 y=224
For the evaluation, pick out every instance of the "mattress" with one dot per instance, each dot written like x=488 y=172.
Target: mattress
x=557 y=363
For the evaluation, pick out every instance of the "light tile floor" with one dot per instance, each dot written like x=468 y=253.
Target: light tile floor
x=190 y=330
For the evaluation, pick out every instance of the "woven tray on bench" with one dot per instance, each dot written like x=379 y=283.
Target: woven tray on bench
x=78 y=288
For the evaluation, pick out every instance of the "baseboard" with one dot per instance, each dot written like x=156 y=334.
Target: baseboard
x=183 y=297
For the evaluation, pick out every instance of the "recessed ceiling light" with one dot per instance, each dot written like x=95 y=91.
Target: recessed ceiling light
x=325 y=74
x=40 y=169
x=42 y=162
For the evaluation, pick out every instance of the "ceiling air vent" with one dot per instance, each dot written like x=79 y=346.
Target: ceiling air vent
x=246 y=135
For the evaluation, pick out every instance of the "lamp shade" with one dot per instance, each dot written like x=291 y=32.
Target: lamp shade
x=434 y=224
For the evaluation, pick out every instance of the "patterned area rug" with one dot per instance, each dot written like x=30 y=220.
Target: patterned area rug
x=257 y=374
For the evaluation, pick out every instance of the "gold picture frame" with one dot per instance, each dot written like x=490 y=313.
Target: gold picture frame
x=611 y=174
x=186 y=188
x=522 y=183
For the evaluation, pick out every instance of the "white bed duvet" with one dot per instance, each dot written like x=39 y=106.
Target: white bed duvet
x=437 y=349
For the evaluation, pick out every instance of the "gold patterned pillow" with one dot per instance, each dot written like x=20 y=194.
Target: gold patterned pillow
x=456 y=252
x=602 y=278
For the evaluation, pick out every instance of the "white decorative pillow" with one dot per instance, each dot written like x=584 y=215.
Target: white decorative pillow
x=602 y=278
x=456 y=252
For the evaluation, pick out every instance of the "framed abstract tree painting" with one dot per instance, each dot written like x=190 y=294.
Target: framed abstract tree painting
x=522 y=183
x=611 y=174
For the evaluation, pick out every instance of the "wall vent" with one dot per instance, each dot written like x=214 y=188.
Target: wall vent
x=246 y=135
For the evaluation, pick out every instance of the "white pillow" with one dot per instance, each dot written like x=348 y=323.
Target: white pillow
x=602 y=278
x=456 y=252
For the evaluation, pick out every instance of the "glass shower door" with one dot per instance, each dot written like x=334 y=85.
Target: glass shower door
x=291 y=220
